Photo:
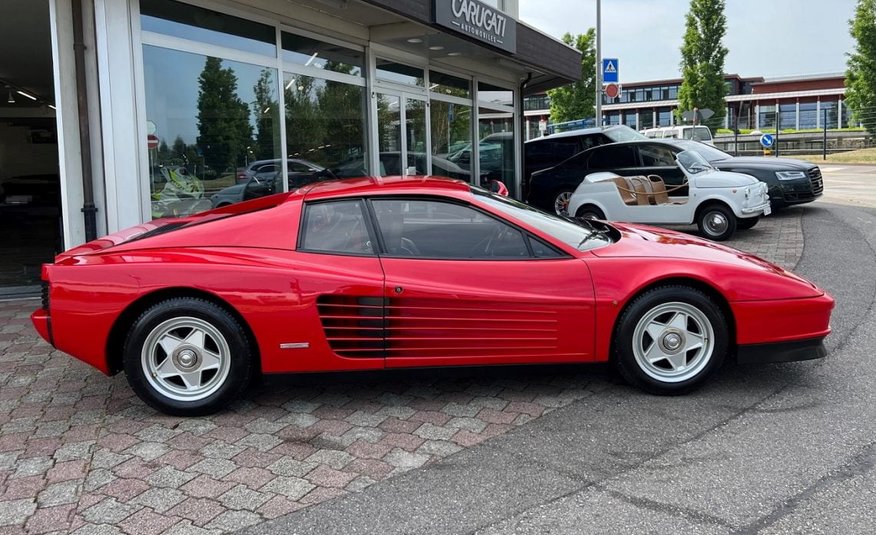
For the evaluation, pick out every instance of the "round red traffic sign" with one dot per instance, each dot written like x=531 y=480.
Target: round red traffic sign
x=612 y=90
x=152 y=141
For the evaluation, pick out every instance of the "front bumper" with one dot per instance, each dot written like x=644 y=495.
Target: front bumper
x=781 y=351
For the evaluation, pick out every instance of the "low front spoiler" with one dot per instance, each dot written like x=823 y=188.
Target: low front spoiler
x=781 y=351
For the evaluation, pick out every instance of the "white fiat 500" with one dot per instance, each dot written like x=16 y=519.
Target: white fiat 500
x=719 y=202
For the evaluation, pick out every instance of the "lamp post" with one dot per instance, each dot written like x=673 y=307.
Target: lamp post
x=598 y=62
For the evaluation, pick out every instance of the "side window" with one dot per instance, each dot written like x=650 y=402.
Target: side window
x=614 y=157
x=336 y=227
x=577 y=162
x=424 y=228
x=543 y=250
x=298 y=167
x=656 y=156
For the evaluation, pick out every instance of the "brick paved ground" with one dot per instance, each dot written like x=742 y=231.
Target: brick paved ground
x=79 y=453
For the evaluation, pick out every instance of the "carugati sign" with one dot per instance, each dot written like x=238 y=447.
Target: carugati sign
x=478 y=20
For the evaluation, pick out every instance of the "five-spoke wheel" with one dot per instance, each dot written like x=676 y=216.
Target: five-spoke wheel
x=670 y=339
x=187 y=356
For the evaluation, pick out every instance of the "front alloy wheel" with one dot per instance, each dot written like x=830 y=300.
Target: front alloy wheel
x=670 y=339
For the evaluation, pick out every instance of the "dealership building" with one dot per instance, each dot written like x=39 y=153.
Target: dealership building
x=115 y=112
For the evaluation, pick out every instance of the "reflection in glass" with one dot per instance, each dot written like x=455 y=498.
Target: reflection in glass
x=445 y=84
x=325 y=125
x=389 y=134
x=496 y=148
x=213 y=118
x=451 y=139
x=415 y=136
x=321 y=55
x=399 y=73
x=198 y=24
x=495 y=94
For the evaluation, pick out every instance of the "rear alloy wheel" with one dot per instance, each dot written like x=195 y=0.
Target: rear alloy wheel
x=745 y=223
x=588 y=211
x=716 y=222
x=670 y=340
x=561 y=202
x=187 y=357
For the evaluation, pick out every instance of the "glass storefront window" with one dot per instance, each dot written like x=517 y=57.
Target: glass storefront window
x=664 y=118
x=631 y=120
x=216 y=121
x=494 y=94
x=203 y=25
x=451 y=139
x=399 y=73
x=646 y=120
x=325 y=125
x=321 y=55
x=767 y=117
x=496 y=147
x=445 y=84
x=808 y=115
x=788 y=115
x=389 y=134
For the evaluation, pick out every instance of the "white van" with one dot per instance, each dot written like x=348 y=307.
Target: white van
x=696 y=133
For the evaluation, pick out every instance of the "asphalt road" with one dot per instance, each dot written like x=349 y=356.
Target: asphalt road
x=783 y=448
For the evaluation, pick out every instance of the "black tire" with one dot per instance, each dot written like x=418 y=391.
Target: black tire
x=745 y=223
x=219 y=359
x=670 y=370
x=561 y=198
x=716 y=222
x=588 y=211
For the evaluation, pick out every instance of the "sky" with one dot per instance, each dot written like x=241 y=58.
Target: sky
x=769 y=38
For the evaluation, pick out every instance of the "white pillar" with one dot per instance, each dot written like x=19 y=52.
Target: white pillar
x=757 y=116
x=818 y=113
x=797 y=122
x=67 y=118
x=124 y=134
x=839 y=112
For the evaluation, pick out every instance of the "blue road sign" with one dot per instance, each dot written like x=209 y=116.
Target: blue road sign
x=767 y=140
x=609 y=70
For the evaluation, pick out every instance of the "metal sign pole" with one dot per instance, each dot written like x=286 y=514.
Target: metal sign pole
x=598 y=62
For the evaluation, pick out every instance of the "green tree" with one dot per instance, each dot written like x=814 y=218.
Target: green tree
x=702 y=60
x=266 y=110
x=577 y=100
x=861 y=73
x=224 y=130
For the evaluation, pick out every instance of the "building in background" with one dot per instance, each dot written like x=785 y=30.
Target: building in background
x=800 y=103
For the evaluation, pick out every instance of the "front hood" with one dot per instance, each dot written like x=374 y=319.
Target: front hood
x=776 y=164
x=723 y=179
x=640 y=241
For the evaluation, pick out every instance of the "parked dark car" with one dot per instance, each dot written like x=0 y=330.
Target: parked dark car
x=790 y=181
x=548 y=151
x=266 y=183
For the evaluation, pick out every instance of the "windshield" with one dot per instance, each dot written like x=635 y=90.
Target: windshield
x=693 y=162
x=708 y=152
x=697 y=133
x=622 y=133
x=582 y=236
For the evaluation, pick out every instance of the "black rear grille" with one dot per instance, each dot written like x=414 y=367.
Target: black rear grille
x=817 y=181
x=44 y=295
x=353 y=325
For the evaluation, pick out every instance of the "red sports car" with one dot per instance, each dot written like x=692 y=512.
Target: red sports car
x=376 y=273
